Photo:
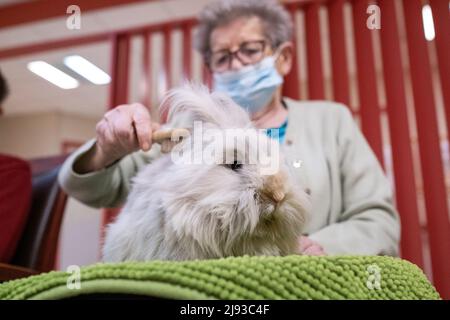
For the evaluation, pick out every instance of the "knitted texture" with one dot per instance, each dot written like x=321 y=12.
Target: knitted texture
x=291 y=277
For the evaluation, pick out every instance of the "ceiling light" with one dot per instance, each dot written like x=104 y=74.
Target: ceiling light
x=428 y=24
x=87 y=69
x=52 y=74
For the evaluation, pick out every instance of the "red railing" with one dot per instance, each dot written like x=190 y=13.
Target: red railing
x=374 y=92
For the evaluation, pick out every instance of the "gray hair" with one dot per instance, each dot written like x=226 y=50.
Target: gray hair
x=277 y=23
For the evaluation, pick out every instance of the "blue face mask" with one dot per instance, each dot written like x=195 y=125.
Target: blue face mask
x=252 y=87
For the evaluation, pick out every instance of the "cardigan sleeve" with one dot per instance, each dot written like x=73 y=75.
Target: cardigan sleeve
x=368 y=224
x=105 y=188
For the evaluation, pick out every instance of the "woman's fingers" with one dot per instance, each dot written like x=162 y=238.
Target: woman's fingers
x=122 y=131
x=310 y=247
x=305 y=242
x=122 y=126
x=110 y=141
x=314 y=250
x=142 y=124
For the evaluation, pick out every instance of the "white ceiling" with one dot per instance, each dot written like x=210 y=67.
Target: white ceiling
x=31 y=94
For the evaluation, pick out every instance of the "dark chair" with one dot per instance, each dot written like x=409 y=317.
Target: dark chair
x=37 y=248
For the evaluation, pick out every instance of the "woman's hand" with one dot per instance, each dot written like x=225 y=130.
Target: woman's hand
x=310 y=247
x=122 y=130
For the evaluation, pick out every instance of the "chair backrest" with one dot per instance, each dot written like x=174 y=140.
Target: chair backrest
x=38 y=245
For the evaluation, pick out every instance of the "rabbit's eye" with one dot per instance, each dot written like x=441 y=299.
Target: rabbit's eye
x=235 y=165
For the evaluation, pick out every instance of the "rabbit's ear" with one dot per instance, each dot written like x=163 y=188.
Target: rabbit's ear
x=234 y=115
x=187 y=104
x=191 y=103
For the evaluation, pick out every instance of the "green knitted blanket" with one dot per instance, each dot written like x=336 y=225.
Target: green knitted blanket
x=291 y=277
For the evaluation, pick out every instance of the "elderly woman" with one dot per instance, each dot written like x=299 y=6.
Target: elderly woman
x=247 y=47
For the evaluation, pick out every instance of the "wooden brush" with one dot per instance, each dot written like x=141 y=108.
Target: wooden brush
x=169 y=138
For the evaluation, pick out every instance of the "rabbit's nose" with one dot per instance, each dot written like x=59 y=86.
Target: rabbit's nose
x=274 y=195
x=273 y=187
x=277 y=195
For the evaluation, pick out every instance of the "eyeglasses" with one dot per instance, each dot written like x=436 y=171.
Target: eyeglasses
x=249 y=52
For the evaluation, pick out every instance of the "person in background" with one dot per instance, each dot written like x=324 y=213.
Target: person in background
x=15 y=195
x=247 y=45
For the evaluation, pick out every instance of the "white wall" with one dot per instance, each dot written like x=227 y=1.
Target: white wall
x=30 y=136
x=41 y=135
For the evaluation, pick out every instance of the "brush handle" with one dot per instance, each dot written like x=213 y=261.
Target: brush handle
x=176 y=133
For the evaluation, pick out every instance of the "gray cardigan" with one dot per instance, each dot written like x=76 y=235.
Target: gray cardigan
x=352 y=209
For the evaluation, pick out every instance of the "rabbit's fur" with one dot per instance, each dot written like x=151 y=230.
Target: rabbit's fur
x=200 y=211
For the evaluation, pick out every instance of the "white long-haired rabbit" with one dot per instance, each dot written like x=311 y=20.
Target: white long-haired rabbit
x=188 y=210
